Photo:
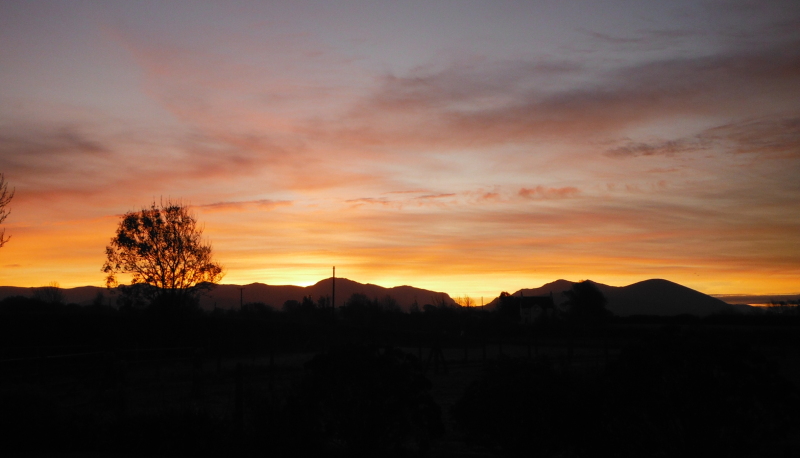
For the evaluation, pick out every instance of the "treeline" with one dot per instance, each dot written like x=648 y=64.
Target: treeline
x=663 y=386
x=255 y=327
x=45 y=320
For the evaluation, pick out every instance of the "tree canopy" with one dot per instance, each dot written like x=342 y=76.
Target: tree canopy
x=586 y=303
x=161 y=247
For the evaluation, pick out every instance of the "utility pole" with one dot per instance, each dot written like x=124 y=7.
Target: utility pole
x=333 y=294
x=241 y=298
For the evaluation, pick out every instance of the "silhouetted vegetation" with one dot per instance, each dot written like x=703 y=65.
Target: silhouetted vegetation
x=50 y=294
x=586 y=304
x=783 y=307
x=307 y=310
x=5 y=199
x=150 y=379
x=508 y=309
x=361 y=310
x=161 y=247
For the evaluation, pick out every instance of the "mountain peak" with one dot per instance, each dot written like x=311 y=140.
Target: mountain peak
x=655 y=296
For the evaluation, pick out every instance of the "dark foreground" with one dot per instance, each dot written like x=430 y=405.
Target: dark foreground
x=440 y=383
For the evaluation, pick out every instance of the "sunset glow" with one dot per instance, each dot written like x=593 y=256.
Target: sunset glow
x=464 y=147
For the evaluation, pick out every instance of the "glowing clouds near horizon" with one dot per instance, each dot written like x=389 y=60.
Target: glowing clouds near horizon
x=498 y=156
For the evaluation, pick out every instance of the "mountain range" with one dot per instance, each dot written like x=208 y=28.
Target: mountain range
x=232 y=296
x=229 y=296
x=649 y=297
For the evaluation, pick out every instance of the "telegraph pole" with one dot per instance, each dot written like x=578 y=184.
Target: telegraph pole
x=241 y=298
x=333 y=294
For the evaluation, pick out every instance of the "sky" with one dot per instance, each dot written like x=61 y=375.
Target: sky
x=470 y=147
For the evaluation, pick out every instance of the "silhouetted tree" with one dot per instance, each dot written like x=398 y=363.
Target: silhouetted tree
x=415 y=307
x=439 y=300
x=389 y=304
x=586 y=303
x=291 y=306
x=508 y=308
x=99 y=300
x=5 y=198
x=162 y=247
x=323 y=302
x=50 y=294
x=783 y=307
x=360 y=309
x=257 y=309
x=306 y=309
x=465 y=301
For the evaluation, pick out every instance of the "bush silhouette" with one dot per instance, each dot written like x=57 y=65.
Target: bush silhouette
x=586 y=303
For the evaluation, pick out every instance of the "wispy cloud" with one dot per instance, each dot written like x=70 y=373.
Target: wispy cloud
x=542 y=192
x=777 y=136
x=262 y=204
x=435 y=196
x=27 y=148
x=666 y=147
x=382 y=201
x=770 y=136
x=462 y=107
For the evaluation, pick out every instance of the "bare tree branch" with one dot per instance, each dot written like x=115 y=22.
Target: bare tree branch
x=5 y=198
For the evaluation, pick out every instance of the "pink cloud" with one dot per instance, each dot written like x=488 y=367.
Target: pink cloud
x=542 y=192
x=436 y=196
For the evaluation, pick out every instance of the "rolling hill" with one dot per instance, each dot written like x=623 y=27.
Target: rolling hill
x=229 y=296
x=649 y=297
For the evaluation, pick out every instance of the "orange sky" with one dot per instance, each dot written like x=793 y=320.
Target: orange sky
x=469 y=149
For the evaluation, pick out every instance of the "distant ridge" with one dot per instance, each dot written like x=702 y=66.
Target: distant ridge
x=229 y=296
x=82 y=295
x=648 y=297
x=756 y=298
